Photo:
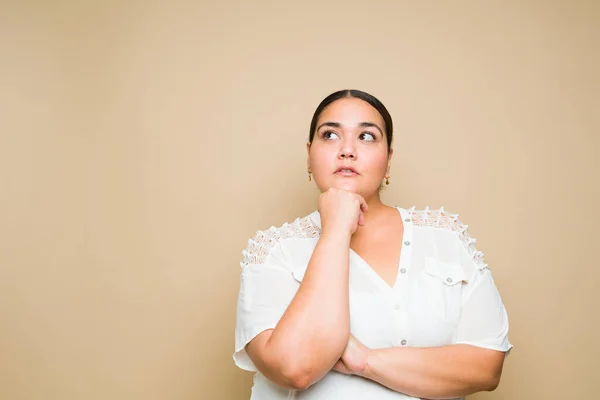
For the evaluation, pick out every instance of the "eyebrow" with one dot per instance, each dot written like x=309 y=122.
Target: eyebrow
x=362 y=124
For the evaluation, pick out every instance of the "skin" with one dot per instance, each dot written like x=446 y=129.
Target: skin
x=445 y=372
x=313 y=337
x=365 y=148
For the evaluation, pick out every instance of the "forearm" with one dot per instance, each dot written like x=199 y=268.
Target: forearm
x=314 y=330
x=437 y=372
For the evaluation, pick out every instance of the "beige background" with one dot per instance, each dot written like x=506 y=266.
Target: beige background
x=142 y=143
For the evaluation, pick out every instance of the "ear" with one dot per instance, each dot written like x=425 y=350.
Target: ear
x=389 y=165
x=308 y=156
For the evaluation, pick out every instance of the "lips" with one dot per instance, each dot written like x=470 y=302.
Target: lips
x=346 y=171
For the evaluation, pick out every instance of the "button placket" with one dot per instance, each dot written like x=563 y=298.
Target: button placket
x=403 y=332
x=405 y=253
x=400 y=329
x=400 y=317
x=397 y=319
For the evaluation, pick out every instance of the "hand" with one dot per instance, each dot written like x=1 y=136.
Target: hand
x=341 y=210
x=354 y=358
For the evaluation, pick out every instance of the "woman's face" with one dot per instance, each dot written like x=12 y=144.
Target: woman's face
x=349 y=133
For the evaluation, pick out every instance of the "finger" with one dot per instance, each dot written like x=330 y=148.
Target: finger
x=339 y=366
x=363 y=204
x=361 y=219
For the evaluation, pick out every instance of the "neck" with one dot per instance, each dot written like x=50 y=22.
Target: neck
x=376 y=209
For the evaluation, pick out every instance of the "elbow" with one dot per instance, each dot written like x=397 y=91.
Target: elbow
x=299 y=382
x=298 y=379
x=288 y=375
x=491 y=373
x=491 y=382
x=302 y=372
x=492 y=385
x=301 y=376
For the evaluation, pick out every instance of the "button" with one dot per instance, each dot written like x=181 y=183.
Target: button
x=396 y=307
x=403 y=271
x=407 y=243
x=407 y=220
x=449 y=280
x=403 y=342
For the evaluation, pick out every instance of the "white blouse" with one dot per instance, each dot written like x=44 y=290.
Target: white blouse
x=444 y=294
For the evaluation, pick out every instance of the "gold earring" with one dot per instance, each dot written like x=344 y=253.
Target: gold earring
x=387 y=180
x=309 y=178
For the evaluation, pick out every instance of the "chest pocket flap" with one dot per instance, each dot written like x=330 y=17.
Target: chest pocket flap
x=449 y=273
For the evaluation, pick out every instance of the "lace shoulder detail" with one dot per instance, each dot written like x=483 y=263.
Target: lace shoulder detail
x=263 y=242
x=441 y=218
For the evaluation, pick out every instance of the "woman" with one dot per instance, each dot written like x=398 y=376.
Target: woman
x=360 y=300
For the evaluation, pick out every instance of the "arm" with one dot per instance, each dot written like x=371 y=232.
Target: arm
x=434 y=372
x=314 y=329
x=437 y=372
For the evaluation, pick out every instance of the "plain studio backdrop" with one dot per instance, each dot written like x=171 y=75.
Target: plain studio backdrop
x=142 y=143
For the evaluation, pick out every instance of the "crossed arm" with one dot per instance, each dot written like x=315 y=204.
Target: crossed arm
x=313 y=337
x=434 y=373
x=444 y=372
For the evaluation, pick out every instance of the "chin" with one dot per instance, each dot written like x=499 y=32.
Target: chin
x=349 y=186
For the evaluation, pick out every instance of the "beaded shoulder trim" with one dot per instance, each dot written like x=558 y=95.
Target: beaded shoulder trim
x=262 y=243
x=441 y=218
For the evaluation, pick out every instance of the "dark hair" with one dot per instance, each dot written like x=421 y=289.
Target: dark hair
x=372 y=100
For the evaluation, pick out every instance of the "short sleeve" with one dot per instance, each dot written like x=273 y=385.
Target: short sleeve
x=483 y=321
x=267 y=287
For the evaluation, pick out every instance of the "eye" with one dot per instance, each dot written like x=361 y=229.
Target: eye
x=327 y=135
x=369 y=137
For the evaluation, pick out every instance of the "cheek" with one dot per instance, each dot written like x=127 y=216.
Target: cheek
x=377 y=162
x=321 y=159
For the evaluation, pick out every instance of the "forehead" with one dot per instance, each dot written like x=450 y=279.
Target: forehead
x=351 y=111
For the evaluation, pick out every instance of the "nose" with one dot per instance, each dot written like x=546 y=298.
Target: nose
x=347 y=150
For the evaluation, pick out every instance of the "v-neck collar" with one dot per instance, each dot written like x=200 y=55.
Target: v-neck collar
x=405 y=253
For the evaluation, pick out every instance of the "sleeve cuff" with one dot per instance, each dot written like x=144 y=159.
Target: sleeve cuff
x=504 y=347
x=240 y=356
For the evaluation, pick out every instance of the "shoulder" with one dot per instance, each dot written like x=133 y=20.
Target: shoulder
x=448 y=222
x=436 y=218
x=264 y=242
